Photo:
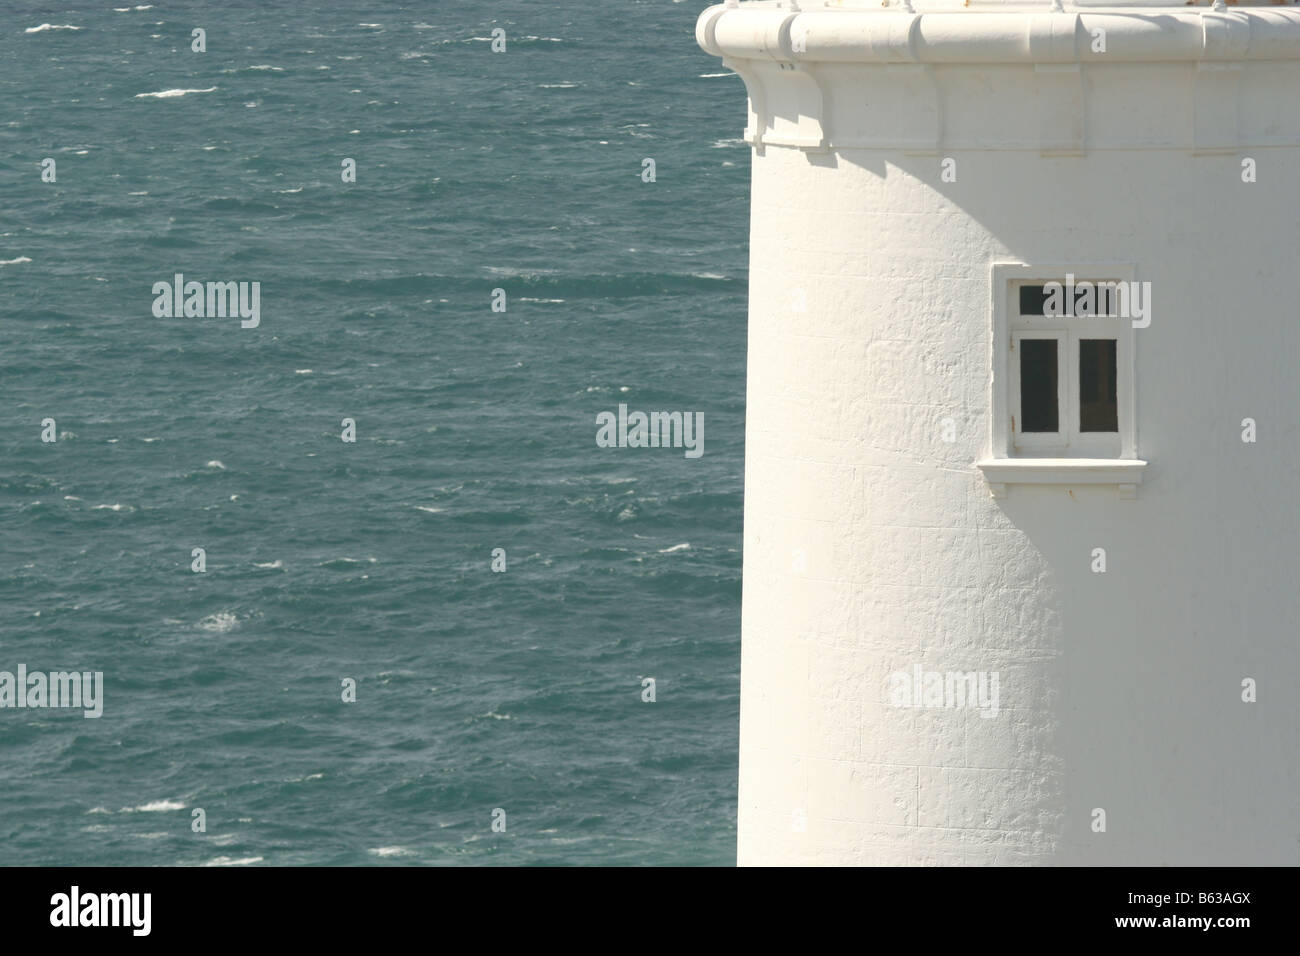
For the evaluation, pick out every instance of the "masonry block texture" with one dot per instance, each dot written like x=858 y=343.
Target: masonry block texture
x=872 y=545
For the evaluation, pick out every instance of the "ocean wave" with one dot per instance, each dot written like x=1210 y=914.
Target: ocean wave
x=220 y=622
x=155 y=806
x=171 y=94
x=51 y=26
x=384 y=851
x=231 y=861
x=234 y=204
x=520 y=41
x=520 y=284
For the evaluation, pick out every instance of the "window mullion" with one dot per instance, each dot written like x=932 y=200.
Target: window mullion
x=1070 y=388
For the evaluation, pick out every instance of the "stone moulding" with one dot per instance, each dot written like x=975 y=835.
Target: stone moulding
x=800 y=67
x=844 y=36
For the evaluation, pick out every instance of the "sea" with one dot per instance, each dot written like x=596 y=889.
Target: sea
x=472 y=635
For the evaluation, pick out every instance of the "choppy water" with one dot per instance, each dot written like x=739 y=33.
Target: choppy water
x=475 y=431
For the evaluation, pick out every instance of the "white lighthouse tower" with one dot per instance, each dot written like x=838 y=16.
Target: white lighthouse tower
x=1023 y=432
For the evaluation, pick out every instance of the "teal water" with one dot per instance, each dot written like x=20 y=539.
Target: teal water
x=475 y=431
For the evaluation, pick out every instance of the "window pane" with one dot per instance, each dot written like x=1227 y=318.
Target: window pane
x=1038 y=411
x=1098 y=407
x=1084 y=298
x=1033 y=300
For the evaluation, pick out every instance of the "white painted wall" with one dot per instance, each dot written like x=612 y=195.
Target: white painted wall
x=872 y=546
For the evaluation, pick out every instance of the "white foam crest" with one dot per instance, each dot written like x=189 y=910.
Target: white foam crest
x=231 y=861
x=219 y=623
x=391 y=851
x=155 y=806
x=171 y=94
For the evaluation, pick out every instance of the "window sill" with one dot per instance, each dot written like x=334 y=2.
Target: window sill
x=1125 y=473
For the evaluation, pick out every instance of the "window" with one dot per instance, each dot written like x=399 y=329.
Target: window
x=1063 y=384
x=1065 y=355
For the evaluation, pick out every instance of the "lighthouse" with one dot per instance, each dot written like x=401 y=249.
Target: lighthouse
x=1022 y=432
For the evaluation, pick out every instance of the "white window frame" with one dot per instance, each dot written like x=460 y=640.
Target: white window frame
x=1069 y=456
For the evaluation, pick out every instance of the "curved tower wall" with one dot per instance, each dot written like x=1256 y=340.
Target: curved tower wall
x=873 y=544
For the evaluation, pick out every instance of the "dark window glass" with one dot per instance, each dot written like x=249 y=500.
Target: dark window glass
x=1102 y=300
x=1098 y=406
x=1038 y=409
x=1033 y=300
